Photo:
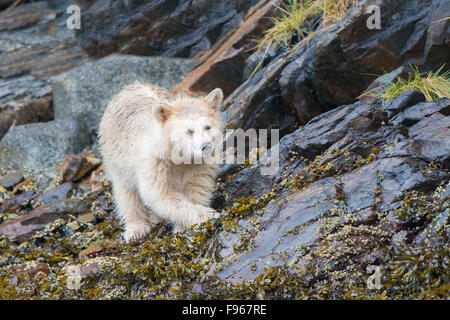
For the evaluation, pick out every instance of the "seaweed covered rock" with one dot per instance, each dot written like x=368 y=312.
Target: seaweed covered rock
x=356 y=170
x=177 y=28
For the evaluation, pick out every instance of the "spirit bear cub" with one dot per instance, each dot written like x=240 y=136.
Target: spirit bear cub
x=141 y=130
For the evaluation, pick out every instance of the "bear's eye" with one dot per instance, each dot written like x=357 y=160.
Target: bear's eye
x=207 y=127
x=190 y=132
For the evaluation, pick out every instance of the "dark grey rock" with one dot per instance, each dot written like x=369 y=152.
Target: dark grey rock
x=406 y=99
x=17 y=202
x=158 y=27
x=34 y=45
x=393 y=159
x=305 y=143
x=59 y=192
x=431 y=138
x=26 y=226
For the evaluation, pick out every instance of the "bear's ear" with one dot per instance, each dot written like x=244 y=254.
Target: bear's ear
x=215 y=98
x=161 y=112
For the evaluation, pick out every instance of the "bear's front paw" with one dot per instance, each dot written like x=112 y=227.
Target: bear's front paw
x=206 y=213
x=135 y=232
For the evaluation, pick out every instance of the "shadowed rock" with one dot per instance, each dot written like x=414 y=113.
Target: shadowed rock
x=177 y=28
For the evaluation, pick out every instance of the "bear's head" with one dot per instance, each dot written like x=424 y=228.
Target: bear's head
x=194 y=125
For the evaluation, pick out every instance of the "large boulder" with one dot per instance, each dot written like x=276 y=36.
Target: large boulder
x=37 y=148
x=83 y=93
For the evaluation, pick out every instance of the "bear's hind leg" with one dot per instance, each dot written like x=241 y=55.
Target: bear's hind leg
x=138 y=221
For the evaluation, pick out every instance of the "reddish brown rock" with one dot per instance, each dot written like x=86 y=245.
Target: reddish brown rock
x=75 y=166
x=98 y=179
x=224 y=63
x=24 y=227
x=60 y=192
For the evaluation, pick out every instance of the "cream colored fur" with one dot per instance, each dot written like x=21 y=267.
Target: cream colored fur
x=140 y=129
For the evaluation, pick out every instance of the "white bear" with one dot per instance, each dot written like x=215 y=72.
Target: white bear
x=141 y=135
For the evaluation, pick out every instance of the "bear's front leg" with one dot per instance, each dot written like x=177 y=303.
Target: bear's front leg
x=132 y=212
x=156 y=194
x=198 y=189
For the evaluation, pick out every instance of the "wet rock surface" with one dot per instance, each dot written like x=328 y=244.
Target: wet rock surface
x=9 y=180
x=29 y=224
x=176 y=28
x=331 y=69
x=391 y=166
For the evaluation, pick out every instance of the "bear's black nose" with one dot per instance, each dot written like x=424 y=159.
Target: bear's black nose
x=206 y=146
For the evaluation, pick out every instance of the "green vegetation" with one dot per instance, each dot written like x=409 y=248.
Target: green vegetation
x=433 y=85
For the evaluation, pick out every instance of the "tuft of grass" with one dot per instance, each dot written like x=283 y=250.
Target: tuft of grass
x=293 y=15
x=334 y=10
x=433 y=85
x=292 y=20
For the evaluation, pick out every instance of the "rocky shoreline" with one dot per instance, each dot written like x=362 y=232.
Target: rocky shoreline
x=362 y=181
